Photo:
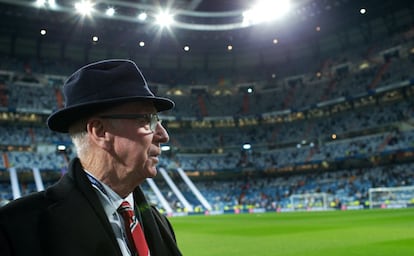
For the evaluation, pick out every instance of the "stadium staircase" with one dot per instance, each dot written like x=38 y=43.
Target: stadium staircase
x=378 y=76
x=18 y=187
x=326 y=69
x=15 y=184
x=6 y=161
x=246 y=104
x=289 y=97
x=183 y=200
x=331 y=87
x=310 y=154
x=4 y=98
x=194 y=189
x=202 y=105
x=275 y=133
x=312 y=150
x=160 y=196
x=59 y=98
x=176 y=190
x=14 y=181
x=32 y=135
x=381 y=147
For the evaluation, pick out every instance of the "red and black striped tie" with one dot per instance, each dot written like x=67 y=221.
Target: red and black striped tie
x=133 y=229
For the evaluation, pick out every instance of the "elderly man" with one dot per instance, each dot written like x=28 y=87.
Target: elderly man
x=98 y=208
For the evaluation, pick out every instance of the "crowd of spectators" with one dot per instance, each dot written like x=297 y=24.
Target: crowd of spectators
x=345 y=187
x=381 y=127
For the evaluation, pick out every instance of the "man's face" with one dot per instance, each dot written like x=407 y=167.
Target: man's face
x=135 y=148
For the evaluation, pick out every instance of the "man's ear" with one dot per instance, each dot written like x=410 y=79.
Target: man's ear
x=97 y=132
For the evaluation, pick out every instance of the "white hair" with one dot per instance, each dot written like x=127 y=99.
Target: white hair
x=79 y=137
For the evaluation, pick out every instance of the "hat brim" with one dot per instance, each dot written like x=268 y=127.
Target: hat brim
x=61 y=120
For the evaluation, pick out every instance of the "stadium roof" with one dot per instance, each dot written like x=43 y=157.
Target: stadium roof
x=204 y=27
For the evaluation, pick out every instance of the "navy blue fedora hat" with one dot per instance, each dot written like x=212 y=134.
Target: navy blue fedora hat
x=100 y=85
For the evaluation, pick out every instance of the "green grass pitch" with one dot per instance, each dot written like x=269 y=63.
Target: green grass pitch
x=367 y=232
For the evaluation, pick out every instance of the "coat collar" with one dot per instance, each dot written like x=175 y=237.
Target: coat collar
x=74 y=196
x=75 y=186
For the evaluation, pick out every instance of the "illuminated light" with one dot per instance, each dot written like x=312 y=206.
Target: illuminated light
x=275 y=41
x=318 y=74
x=364 y=65
x=40 y=3
x=164 y=19
x=141 y=43
x=363 y=11
x=52 y=3
x=229 y=47
x=333 y=136
x=318 y=28
x=266 y=10
x=110 y=12
x=186 y=48
x=43 y=32
x=247 y=146
x=165 y=148
x=249 y=90
x=95 y=38
x=273 y=76
x=61 y=147
x=142 y=16
x=84 y=7
x=44 y=3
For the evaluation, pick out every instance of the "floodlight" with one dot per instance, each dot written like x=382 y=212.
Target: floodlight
x=52 y=3
x=45 y=3
x=84 y=7
x=110 y=11
x=40 y=3
x=142 y=16
x=61 y=148
x=266 y=10
x=247 y=146
x=164 y=19
x=165 y=148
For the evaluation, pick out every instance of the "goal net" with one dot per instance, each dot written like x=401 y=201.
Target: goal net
x=309 y=202
x=392 y=197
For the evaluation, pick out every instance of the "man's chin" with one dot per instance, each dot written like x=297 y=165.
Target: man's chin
x=152 y=172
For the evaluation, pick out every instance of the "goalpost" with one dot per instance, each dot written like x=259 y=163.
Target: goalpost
x=309 y=202
x=391 y=197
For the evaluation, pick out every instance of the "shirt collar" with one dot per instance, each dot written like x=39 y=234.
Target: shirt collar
x=112 y=199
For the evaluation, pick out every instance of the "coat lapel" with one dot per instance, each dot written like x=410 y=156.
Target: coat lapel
x=160 y=237
x=78 y=216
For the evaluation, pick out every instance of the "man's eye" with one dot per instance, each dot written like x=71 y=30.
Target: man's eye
x=144 y=120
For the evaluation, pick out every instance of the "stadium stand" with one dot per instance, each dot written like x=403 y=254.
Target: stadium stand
x=355 y=132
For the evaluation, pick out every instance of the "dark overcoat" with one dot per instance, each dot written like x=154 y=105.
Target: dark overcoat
x=67 y=219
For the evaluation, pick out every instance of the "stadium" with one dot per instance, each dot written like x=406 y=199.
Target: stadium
x=291 y=135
